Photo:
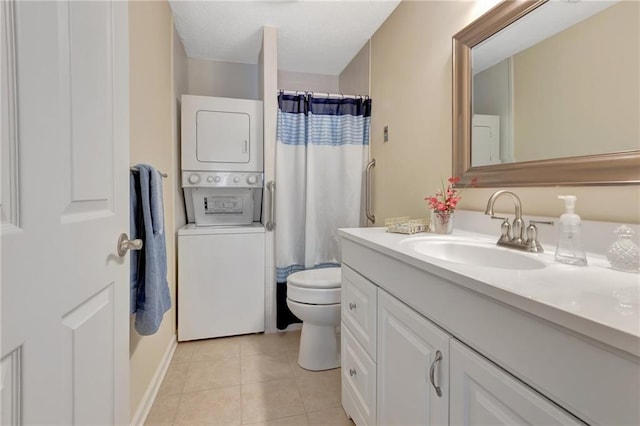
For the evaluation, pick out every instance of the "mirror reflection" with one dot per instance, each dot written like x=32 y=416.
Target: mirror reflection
x=569 y=88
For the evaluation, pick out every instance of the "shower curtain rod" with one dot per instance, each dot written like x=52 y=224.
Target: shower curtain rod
x=328 y=95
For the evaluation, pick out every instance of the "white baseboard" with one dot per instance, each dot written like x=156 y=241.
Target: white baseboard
x=154 y=386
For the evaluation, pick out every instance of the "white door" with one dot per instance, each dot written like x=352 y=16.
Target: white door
x=65 y=200
x=482 y=394
x=413 y=367
x=485 y=134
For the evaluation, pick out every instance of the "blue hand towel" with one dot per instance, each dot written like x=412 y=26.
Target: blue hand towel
x=150 y=297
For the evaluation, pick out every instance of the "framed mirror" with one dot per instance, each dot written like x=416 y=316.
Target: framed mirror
x=548 y=116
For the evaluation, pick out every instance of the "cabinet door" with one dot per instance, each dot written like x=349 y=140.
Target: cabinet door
x=408 y=346
x=482 y=394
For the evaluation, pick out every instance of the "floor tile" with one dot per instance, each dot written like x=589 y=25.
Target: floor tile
x=252 y=379
x=300 y=420
x=214 y=349
x=163 y=411
x=270 y=400
x=183 y=352
x=212 y=407
x=203 y=375
x=262 y=344
x=174 y=379
x=329 y=417
x=320 y=389
x=262 y=368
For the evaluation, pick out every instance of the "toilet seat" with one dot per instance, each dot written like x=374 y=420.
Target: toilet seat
x=315 y=286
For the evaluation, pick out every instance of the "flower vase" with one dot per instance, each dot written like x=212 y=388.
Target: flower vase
x=442 y=222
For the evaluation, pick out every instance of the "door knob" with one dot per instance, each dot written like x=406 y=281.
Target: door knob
x=125 y=244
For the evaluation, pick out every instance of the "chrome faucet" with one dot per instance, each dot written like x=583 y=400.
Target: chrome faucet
x=513 y=235
x=518 y=223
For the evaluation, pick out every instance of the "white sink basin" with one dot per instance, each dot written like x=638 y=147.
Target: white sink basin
x=472 y=252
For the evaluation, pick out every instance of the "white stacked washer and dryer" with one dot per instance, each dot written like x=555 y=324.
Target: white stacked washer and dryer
x=221 y=251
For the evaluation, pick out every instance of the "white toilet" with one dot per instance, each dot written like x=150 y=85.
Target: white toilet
x=314 y=297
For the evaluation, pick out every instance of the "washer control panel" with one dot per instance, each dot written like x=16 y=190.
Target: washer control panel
x=222 y=179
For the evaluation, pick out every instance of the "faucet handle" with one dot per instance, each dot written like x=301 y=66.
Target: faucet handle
x=532 y=235
x=542 y=222
x=505 y=228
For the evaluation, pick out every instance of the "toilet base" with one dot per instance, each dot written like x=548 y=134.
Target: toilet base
x=319 y=347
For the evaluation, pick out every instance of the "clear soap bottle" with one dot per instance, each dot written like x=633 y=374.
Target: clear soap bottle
x=569 y=248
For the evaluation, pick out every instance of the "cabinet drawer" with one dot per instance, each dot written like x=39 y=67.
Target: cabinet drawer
x=358 y=379
x=359 y=300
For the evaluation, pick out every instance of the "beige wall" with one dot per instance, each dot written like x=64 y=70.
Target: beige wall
x=223 y=79
x=151 y=98
x=584 y=118
x=411 y=92
x=354 y=78
x=310 y=82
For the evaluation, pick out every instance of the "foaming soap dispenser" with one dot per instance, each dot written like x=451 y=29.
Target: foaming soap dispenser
x=569 y=248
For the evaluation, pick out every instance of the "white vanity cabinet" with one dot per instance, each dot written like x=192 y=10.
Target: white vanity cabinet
x=500 y=363
x=413 y=367
x=358 y=347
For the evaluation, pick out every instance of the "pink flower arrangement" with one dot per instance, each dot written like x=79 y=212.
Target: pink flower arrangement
x=446 y=199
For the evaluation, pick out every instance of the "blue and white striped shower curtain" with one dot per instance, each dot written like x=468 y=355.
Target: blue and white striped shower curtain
x=321 y=151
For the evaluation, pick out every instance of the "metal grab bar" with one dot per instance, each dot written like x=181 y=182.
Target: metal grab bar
x=271 y=186
x=367 y=190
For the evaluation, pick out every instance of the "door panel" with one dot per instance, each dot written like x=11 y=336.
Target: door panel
x=9 y=219
x=64 y=289
x=90 y=334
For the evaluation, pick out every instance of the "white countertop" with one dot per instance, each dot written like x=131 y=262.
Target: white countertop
x=596 y=301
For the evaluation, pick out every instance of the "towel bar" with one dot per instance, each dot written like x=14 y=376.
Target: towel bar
x=135 y=169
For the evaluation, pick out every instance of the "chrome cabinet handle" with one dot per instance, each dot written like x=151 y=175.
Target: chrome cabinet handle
x=352 y=372
x=367 y=191
x=125 y=244
x=271 y=186
x=352 y=306
x=432 y=372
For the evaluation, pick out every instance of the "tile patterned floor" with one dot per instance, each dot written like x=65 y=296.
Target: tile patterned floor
x=246 y=380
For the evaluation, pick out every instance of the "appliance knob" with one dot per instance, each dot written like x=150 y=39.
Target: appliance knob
x=251 y=180
x=194 y=178
x=217 y=179
x=236 y=179
x=209 y=179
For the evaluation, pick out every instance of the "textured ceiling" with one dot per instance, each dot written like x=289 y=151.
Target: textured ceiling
x=318 y=36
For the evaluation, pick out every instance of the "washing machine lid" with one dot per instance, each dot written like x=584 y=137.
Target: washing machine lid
x=317 y=278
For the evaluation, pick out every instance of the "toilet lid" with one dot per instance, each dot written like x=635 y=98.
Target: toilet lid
x=317 y=278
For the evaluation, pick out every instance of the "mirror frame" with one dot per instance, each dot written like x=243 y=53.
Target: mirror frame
x=602 y=169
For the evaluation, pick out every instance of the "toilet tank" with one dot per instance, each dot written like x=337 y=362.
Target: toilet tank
x=221 y=134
